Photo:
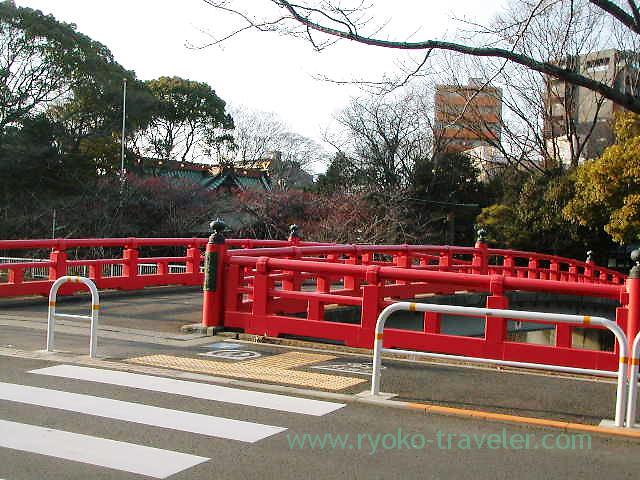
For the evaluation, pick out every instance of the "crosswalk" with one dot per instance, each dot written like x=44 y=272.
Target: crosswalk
x=129 y=457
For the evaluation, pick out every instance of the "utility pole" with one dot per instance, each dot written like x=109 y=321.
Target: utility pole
x=122 y=140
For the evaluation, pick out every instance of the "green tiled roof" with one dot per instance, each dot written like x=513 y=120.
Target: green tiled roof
x=231 y=178
x=241 y=181
x=215 y=182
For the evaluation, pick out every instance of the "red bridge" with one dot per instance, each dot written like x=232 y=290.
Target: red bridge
x=275 y=288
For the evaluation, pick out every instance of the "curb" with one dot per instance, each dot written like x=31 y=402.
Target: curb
x=529 y=421
x=199 y=329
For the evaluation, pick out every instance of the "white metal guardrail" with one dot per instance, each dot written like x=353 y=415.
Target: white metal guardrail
x=632 y=402
x=52 y=315
x=586 y=321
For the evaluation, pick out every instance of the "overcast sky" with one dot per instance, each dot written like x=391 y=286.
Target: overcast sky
x=259 y=70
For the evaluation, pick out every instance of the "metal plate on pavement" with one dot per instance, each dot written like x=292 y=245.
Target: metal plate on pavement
x=225 y=346
x=357 y=368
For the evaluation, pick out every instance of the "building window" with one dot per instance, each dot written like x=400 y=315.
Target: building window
x=598 y=64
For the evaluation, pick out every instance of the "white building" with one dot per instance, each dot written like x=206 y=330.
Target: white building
x=487 y=159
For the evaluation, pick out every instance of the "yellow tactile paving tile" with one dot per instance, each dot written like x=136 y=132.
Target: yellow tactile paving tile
x=274 y=369
x=289 y=360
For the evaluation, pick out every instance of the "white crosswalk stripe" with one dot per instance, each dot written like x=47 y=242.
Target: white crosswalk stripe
x=130 y=457
x=204 y=391
x=127 y=457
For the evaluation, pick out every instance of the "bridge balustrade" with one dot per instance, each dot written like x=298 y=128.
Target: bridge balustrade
x=286 y=287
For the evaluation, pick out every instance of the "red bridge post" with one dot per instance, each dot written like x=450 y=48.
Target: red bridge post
x=58 y=258
x=294 y=235
x=130 y=266
x=371 y=307
x=294 y=280
x=213 y=287
x=496 y=327
x=194 y=259
x=260 y=309
x=589 y=269
x=480 y=263
x=352 y=283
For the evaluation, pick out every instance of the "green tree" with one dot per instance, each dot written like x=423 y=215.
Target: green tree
x=608 y=188
x=502 y=226
x=92 y=119
x=535 y=221
x=451 y=177
x=42 y=62
x=444 y=198
x=341 y=176
x=51 y=75
x=539 y=211
x=189 y=122
x=30 y=157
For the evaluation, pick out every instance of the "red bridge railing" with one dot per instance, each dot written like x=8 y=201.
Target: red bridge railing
x=34 y=265
x=288 y=291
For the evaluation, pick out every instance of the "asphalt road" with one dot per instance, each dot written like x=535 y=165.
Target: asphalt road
x=162 y=309
x=272 y=457
x=444 y=447
x=583 y=401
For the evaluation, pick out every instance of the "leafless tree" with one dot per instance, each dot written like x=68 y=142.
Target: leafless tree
x=264 y=140
x=323 y=22
x=385 y=136
x=255 y=135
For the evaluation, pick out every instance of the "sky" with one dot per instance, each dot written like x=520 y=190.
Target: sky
x=259 y=71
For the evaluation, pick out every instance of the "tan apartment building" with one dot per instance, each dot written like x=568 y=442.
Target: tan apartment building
x=467 y=116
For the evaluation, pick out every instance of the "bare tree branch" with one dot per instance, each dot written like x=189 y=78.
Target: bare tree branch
x=628 y=101
x=614 y=10
x=635 y=11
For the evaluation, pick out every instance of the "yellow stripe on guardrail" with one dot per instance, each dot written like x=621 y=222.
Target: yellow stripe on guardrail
x=413 y=307
x=96 y=307
x=52 y=304
x=586 y=320
x=379 y=336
